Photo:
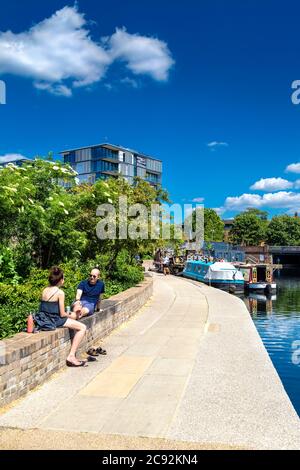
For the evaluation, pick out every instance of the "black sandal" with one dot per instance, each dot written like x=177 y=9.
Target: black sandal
x=101 y=351
x=71 y=364
x=92 y=352
x=91 y=359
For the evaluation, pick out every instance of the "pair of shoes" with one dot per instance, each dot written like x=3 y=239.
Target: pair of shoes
x=101 y=351
x=71 y=364
x=92 y=352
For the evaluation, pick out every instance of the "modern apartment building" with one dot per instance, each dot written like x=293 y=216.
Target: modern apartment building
x=15 y=161
x=108 y=160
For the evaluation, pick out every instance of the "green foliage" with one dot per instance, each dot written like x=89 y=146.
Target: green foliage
x=213 y=226
x=249 y=228
x=45 y=223
x=284 y=230
x=18 y=300
x=8 y=265
x=13 y=319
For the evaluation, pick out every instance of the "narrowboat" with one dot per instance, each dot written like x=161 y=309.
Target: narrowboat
x=222 y=275
x=259 y=277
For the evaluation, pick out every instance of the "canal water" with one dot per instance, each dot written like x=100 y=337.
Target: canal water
x=278 y=323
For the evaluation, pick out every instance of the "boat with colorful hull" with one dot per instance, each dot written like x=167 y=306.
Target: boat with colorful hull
x=259 y=277
x=222 y=275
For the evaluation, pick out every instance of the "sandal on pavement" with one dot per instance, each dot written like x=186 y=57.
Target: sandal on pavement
x=91 y=359
x=101 y=351
x=71 y=364
x=92 y=352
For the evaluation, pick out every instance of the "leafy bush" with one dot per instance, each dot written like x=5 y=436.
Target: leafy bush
x=8 y=266
x=17 y=301
x=13 y=318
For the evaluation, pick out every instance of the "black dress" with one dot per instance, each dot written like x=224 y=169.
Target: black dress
x=51 y=314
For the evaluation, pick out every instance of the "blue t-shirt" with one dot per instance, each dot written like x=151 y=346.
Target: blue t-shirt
x=91 y=293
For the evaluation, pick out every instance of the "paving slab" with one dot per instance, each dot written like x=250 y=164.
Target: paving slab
x=87 y=413
x=171 y=366
x=148 y=420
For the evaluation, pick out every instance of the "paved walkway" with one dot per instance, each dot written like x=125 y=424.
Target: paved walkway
x=188 y=371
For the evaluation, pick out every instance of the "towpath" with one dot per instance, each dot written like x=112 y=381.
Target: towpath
x=189 y=371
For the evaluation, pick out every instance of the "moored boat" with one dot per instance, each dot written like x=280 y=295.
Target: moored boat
x=259 y=277
x=222 y=275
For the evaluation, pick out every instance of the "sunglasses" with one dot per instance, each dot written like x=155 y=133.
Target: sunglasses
x=93 y=276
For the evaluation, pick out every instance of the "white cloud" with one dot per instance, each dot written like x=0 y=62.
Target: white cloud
x=56 y=49
x=219 y=210
x=58 y=90
x=198 y=199
x=214 y=145
x=59 y=54
x=130 y=82
x=293 y=168
x=272 y=184
x=11 y=157
x=282 y=199
x=143 y=55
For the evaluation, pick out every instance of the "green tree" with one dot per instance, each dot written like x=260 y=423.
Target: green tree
x=213 y=226
x=37 y=214
x=284 y=230
x=263 y=215
x=249 y=228
x=89 y=198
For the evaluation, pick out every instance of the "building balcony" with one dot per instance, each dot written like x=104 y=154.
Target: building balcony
x=154 y=172
x=110 y=159
x=110 y=172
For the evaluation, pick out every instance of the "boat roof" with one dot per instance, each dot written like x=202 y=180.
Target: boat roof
x=194 y=261
x=222 y=266
x=259 y=265
x=218 y=266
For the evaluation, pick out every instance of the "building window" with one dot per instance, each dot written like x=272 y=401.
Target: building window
x=84 y=167
x=154 y=165
x=83 y=155
x=152 y=178
x=103 y=152
x=129 y=158
x=140 y=172
x=126 y=170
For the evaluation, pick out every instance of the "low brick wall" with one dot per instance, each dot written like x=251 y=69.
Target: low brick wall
x=27 y=360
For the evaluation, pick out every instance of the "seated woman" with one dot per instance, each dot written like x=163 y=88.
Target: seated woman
x=53 y=307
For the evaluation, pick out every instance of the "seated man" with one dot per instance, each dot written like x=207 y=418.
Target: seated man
x=166 y=262
x=89 y=294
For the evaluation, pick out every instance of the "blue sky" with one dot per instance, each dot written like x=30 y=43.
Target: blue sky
x=167 y=78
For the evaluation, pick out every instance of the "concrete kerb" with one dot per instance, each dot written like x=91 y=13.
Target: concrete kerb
x=241 y=386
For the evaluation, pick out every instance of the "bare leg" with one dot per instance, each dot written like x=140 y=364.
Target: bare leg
x=80 y=329
x=83 y=313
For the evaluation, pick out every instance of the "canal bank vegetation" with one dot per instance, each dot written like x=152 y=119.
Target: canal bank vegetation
x=252 y=227
x=44 y=223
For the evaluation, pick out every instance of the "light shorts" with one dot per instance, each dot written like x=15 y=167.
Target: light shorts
x=90 y=306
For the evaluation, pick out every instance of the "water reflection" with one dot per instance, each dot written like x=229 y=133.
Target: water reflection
x=277 y=319
x=259 y=304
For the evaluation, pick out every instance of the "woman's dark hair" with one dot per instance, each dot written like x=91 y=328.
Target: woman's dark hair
x=56 y=274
